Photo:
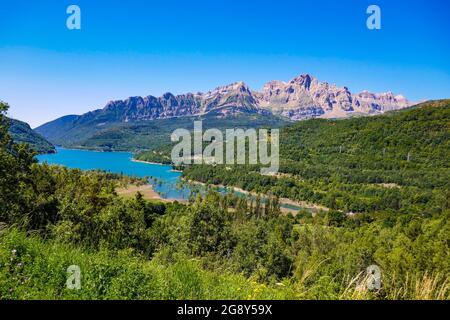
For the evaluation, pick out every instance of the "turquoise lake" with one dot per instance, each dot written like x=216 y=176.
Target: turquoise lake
x=167 y=183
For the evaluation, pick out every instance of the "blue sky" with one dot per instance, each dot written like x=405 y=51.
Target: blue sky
x=129 y=48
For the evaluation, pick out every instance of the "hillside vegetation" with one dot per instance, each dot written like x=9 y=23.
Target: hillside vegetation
x=214 y=247
x=395 y=163
x=22 y=133
x=140 y=135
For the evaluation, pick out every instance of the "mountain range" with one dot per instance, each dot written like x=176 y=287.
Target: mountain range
x=303 y=97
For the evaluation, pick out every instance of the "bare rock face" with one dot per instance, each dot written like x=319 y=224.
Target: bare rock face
x=234 y=98
x=305 y=97
x=301 y=98
x=150 y=108
x=372 y=103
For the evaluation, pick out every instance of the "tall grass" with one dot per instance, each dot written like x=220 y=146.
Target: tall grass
x=412 y=287
x=32 y=268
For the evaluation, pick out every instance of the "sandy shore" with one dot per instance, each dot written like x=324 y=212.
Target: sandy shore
x=157 y=163
x=149 y=194
x=146 y=190
x=148 y=162
x=304 y=204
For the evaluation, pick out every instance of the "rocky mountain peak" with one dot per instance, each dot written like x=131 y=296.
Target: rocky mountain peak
x=303 y=80
x=300 y=98
x=305 y=97
x=236 y=87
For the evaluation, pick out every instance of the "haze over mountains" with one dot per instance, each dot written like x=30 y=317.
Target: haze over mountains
x=303 y=97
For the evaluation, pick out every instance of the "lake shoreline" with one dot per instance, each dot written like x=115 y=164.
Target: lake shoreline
x=149 y=162
x=147 y=192
x=300 y=204
x=156 y=163
x=119 y=162
x=90 y=150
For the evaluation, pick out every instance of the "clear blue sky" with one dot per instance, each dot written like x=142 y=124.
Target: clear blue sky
x=128 y=48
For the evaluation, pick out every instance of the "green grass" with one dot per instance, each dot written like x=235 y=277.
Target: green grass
x=31 y=268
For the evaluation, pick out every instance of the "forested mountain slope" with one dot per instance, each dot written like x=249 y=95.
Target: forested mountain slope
x=22 y=133
x=145 y=135
x=397 y=162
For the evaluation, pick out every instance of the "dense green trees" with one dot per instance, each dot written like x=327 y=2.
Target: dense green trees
x=16 y=187
x=220 y=246
x=312 y=257
x=396 y=162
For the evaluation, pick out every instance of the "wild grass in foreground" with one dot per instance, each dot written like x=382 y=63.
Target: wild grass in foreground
x=32 y=268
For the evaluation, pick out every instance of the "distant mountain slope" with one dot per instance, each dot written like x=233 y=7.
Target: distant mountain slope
x=56 y=128
x=22 y=133
x=72 y=129
x=148 y=135
x=419 y=135
x=303 y=97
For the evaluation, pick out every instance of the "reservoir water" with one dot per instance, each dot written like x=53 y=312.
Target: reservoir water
x=166 y=182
